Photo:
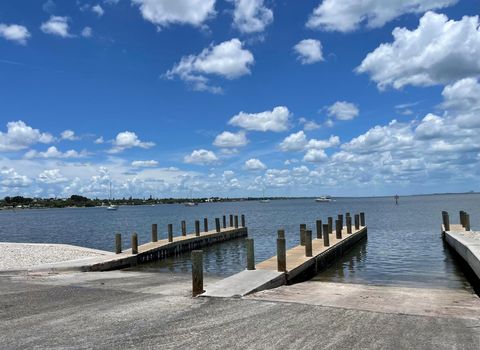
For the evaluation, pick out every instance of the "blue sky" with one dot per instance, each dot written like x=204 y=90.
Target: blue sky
x=239 y=97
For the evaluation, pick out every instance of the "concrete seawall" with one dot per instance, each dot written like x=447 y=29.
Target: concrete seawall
x=466 y=244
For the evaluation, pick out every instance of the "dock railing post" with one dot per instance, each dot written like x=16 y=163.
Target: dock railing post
x=170 y=232
x=446 y=221
x=462 y=218
x=338 y=229
x=303 y=227
x=197 y=228
x=236 y=221
x=231 y=220
x=217 y=224
x=349 y=224
x=224 y=221
x=340 y=217
x=205 y=224
x=281 y=252
x=467 y=222
x=319 y=229
x=250 y=254
x=134 y=243
x=362 y=219
x=330 y=224
x=326 y=240
x=243 y=220
x=154 y=233
x=197 y=272
x=308 y=243
x=357 y=222
x=347 y=214
x=184 y=228
x=118 y=243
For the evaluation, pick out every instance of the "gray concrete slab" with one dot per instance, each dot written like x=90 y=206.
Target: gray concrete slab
x=467 y=245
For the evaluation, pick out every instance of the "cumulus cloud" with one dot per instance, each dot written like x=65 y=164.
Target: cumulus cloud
x=276 y=120
x=342 y=110
x=439 y=51
x=201 y=157
x=299 y=142
x=254 y=164
x=14 y=32
x=128 y=139
x=251 y=16
x=10 y=178
x=309 y=125
x=20 y=136
x=69 y=135
x=165 y=12
x=144 y=163
x=315 y=155
x=349 y=15
x=53 y=152
x=309 y=51
x=87 y=32
x=228 y=139
x=227 y=60
x=56 y=25
x=98 y=10
x=51 y=176
x=462 y=102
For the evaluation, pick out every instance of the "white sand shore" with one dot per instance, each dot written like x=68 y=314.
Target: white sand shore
x=21 y=256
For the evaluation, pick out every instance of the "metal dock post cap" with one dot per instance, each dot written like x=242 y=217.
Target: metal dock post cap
x=326 y=238
x=154 y=233
x=134 y=243
x=318 y=224
x=250 y=254
x=197 y=272
x=118 y=243
x=170 y=232
x=308 y=243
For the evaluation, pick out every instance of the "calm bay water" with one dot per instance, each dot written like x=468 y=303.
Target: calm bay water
x=404 y=246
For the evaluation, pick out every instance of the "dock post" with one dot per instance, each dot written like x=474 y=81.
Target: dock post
x=224 y=221
x=184 y=228
x=134 y=243
x=446 y=220
x=236 y=221
x=197 y=272
x=330 y=224
x=347 y=214
x=340 y=217
x=303 y=227
x=170 y=232
x=362 y=219
x=154 y=233
x=205 y=224
x=197 y=228
x=243 y=220
x=357 y=222
x=462 y=218
x=326 y=240
x=349 y=224
x=118 y=243
x=250 y=254
x=467 y=221
x=231 y=220
x=281 y=252
x=338 y=229
x=217 y=224
x=308 y=243
x=319 y=229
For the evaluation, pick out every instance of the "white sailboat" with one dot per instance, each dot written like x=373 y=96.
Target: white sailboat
x=264 y=200
x=191 y=203
x=110 y=205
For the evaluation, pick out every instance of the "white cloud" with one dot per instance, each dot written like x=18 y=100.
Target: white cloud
x=56 y=25
x=309 y=51
x=322 y=144
x=201 y=157
x=10 y=178
x=20 y=136
x=49 y=6
x=99 y=140
x=276 y=120
x=294 y=142
x=229 y=139
x=309 y=125
x=128 y=139
x=144 y=163
x=254 y=164
x=87 y=32
x=14 y=32
x=251 y=16
x=439 y=51
x=315 y=156
x=53 y=152
x=166 y=12
x=228 y=60
x=69 y=135
x=342 y=110
x=51 y=176
x=97 y=9
x=462 y=102
x=348 y=15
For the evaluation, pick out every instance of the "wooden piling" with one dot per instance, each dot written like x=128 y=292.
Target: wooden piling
x=224 y=221
x=467 y=221
x=154 y=233
x=231 y=220
x=184 y=228
x=205 y=224
x=118 y=243
x=347 y=214
x=250 y=254
x=197 y=228
x=303 y=227
x=349 y=224
x=326 y=240
x=462 y=218
x=197 y=272
x=446 y=220
x=338 y=229
x=308 y=243
x=340 y=217
x=236 y=221
x=134 y=243
x=243 y=220
x=357 y=222
x=170 y=232
x=319 y=229
x=217 y=224
x=362 y=219
x=281 y=233
x=281 y=252
x=330 y=225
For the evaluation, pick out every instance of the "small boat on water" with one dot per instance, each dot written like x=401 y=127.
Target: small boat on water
x=323 y=199
x=264 y=200
x=112 y=207
x=190 y=204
